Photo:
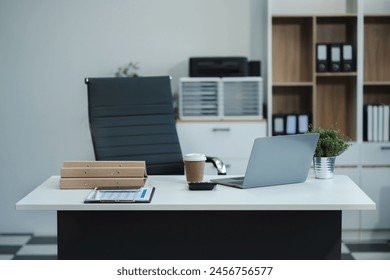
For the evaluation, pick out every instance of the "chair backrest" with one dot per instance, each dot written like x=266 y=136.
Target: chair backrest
x=133 y=119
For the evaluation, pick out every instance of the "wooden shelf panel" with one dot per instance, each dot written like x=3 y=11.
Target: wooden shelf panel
x=335 y=104
x=336 y=74
x=293 y=84
x=325 y=15
x=376 y=94
x=292 y=49
x=377 y=83
x=341 y=29
x=376 y=48
x=292 y=100
x=367 y=15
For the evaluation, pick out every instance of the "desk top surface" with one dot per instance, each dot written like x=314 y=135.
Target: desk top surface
x=172 y=193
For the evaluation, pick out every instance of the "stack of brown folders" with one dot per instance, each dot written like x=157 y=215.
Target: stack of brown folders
x=103 y=174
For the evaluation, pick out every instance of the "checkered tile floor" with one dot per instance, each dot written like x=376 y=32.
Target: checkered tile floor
x=365 y=250
x=30 y=247
x=27 y=247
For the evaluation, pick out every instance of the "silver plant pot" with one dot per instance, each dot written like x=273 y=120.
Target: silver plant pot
x=324 y=167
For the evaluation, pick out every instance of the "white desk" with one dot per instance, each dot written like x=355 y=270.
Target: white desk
x=225 y=223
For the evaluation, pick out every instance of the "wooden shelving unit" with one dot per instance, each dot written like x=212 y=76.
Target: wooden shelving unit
x=296 y=86
x=376 y=88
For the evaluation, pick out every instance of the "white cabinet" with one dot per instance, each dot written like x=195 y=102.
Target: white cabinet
x=375 y=153
x=351 y=218
x=350 y=157
x=231 y=141
x=375 y=182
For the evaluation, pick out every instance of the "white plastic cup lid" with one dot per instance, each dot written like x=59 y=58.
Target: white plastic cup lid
x=194 y=157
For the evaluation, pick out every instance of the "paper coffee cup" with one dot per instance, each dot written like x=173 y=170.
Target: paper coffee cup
x=194 y=167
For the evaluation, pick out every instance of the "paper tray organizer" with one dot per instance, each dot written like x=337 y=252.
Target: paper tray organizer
x=103 y=174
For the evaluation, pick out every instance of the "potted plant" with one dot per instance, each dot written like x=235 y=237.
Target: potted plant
x=129 y=71
x=331 y=143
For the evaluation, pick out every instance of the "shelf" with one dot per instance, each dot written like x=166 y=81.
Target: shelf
x=376 y=94
x=221 y=121
x=292 y=100
x=377 y=83
x=328 y=15
x=337 y=30
x=376 y=48
x=297 y=88
x=377 y=15
x=331 y=97
x=292 y=51
x=333 y=16
x=376 y=86
x=335 y=104
x=336 y=74
x=334 y=98
x=292 y=84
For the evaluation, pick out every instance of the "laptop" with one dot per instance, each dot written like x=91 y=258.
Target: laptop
x=276 y=160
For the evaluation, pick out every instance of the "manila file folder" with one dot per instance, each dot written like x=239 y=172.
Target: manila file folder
x=103 y=174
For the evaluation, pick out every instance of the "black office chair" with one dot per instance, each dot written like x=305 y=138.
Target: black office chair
x=133 y=119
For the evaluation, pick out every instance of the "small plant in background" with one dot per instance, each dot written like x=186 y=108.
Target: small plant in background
x=128 y=71
x=331 y=142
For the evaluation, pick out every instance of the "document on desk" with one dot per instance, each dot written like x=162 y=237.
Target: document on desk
x=141 y=195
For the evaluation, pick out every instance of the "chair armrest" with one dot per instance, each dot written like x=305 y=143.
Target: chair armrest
x=218 y=164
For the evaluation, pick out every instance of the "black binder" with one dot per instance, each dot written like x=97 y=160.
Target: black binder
x=303 y=123
x=347 y=58
x=366 y=126
x=278 y=124
x=334 y=53
x=322 y=57
x=291 y=124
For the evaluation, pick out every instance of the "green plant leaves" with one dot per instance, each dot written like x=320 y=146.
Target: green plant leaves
x=331 y=142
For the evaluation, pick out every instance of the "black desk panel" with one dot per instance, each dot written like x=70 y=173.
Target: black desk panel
x=187 y=235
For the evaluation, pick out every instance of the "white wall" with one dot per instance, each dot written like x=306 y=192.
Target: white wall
x=47 y=49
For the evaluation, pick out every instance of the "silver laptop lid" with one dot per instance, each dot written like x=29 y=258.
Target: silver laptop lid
x=280 y=160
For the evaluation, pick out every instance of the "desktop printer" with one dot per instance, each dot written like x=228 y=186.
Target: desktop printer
x=218 y=67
